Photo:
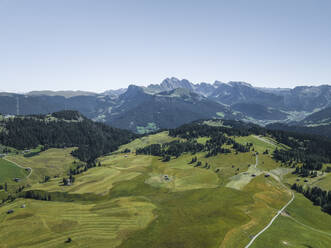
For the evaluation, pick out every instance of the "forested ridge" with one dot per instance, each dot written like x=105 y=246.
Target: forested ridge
x=92 y=139
x=303 y=148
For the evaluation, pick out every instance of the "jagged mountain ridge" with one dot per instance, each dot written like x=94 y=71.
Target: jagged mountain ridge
x=174 y=102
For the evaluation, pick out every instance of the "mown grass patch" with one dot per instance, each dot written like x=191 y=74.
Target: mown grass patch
x=260 y=144
x=159 y=138
x=51 y=163
x=192 y=218
x=9 y=171
x=203 y=217
x=100 y=180
x=231 y=164
x=49 y=224
x=324 y=182
x=202 y=140
x=267 y=163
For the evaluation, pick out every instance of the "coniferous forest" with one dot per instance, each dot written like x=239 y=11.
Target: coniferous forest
x=69 y=129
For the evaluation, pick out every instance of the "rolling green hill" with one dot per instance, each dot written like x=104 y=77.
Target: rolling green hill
x=204 y=184
x=9 y=171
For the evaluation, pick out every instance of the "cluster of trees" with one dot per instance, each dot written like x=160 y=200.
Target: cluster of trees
x=298 y=155
x=194 y=159
x=4 y=187
x=231 y=128
x=199 y=163
x=317 y=195
x=305 y=147
x=20 y=189
x=310 y=168
x=46 y=179
x=191 y=132
x=206 y=166
x=68 y=181
x=174 y=148
x=10 y=198
x=92 y=139
x=214 y=144
x=219 y=135
x=31 y=154
x=216 y=150
x=80 y=168
x=311 y=162
x=68 y=115
x=6 y=150
x=11 y=194
x=241 y=148
x=37 y=195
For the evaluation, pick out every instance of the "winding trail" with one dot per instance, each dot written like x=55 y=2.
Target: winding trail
x=275 y=217
x=29 y=168
x=270 y=223
x=309 y=227
x=257 y=160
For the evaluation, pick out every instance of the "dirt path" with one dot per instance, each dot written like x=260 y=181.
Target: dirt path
x=276 y=216
x=264 y=140
x=29 y=168
x=270 y=223
x=257 y=161
x=309 y=227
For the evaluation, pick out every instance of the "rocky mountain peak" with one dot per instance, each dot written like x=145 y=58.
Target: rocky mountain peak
x=173 y=83
x=233 y=83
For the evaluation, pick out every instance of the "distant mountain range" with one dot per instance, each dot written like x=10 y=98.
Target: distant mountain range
x=174 y=102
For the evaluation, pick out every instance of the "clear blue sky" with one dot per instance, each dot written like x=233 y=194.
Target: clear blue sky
x=97 y=44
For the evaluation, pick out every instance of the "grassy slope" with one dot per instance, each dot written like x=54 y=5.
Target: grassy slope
x=260 y=143
x=324 y=182
x=51 y=162
x=48 y=224
x=12 y=150
x=305 y=226
x=210 y=207
x=269 y=196
x=130 y=204
x=8 y=171
x=205 y=217
x=159 y=138
x=100 y=180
